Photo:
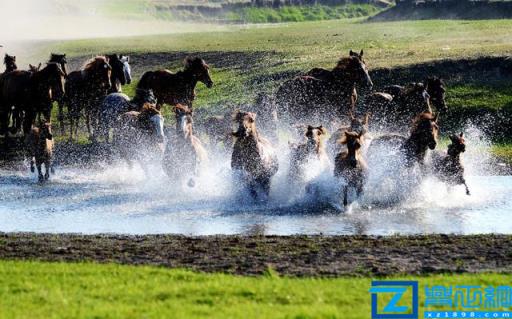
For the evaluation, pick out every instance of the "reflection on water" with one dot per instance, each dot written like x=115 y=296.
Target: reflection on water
x=116 y=199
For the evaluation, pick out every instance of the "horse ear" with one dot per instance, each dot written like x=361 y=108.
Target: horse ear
x=322 y=130
x=253 y=116
x=461 y=134
x=361 y=53
x=351 y=53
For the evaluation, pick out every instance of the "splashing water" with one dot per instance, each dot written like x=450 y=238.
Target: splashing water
x=116 y=199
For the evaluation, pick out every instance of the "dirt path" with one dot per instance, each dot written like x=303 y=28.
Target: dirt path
x=290 y=255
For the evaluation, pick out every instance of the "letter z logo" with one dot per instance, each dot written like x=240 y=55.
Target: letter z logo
x=392 y=310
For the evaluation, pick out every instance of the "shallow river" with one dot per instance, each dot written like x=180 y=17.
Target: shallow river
x=119 y=200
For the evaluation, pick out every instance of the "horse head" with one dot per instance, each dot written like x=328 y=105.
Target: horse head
x=425 y=130
x=353 y=142
x=314 y=136
x=10 y=63
x=246 y=122
x=118 y=72
x=359 y=125
x=99 y=70
x=458 y=144
x=436 y=89
x=199 y=70
x=62 y=60
x=183 y=120
x=417 y=97
x=354 y=67
x=34 y=68
x=152 y=121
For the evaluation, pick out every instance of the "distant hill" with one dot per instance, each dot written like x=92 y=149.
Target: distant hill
x=446 y=9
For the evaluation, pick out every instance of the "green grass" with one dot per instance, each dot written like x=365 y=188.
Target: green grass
x=67 y=290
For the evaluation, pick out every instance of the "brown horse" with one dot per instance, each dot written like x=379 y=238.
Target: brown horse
x=137 y=133
x=40 y=148
x=330 y=96
x=31 y=94
x=119 y=77
x=184 y=152
x=357 y=124
x=85 y=89
x=312 y=148
x=397 y=106
x=177 y=88
x=423 y=136
x=350 y=164
x=253 y=160
x=448 y=166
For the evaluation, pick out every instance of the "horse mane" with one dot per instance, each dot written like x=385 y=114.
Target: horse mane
x=94 y=62
x=344 y=62
x=190 y=61
x=420 y=119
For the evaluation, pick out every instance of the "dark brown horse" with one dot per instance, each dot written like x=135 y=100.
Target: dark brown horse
x=323 y=96
x=312 y=148
x=85 y=89
x=138 y=134
x=31 y=94
x=397 y=106
x=448 y=166
x=177 y=88
x=350 y=164
x=253 y=160
x=184 y=151
x=10 y=63
x=423 y=136
x=40 y=149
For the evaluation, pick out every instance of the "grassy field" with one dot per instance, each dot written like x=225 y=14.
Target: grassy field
x=67 y=290
x=249 y=59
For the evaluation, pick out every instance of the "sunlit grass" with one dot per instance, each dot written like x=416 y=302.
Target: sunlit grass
x=68 y=290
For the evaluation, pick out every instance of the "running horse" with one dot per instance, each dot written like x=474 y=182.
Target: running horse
x=350 y=164
x=31 y=93
x=138 y=134
x=184 y=152
x=177 y=88
x=322 y=95
x=85 y=89
x=448 y=166
x=254 y=159
x=423 y=136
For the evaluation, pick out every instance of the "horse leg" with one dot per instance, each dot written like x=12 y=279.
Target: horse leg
x=60 y=116
x=47 y=170
x=345 y=195
x=467 y=188
x=32 y=167
x=39 y=171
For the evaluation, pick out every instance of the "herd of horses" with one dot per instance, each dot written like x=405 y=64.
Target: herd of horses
x=313 y=103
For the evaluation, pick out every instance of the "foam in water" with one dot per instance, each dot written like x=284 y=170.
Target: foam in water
x=126 y=200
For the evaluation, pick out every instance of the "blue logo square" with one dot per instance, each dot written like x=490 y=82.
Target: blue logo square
x=391 y=309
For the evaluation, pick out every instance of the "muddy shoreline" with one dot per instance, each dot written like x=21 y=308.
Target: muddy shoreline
x=324 y=256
